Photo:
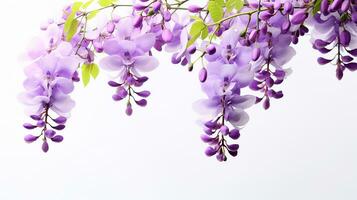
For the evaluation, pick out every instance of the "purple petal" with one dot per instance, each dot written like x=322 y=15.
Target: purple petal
x=146 y=63
x=112 y=63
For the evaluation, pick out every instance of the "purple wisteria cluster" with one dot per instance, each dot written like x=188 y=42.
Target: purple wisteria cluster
x=334 y=34
x=240 y=49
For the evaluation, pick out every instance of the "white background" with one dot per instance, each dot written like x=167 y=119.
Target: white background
x=305 y=147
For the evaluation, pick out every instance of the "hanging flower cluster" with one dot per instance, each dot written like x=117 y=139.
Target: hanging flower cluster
x=240 y=47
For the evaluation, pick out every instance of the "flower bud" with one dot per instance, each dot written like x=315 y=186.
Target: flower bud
x=211 y=49
x=57 y=138
x=352 y=52
x=45 y=146
x=207 y=139
x=339 y=73
x=277 y=5
x=30 y=138
x=345 y=6
x=233 y=153
x=166 y=35
x=299 y=17
x=265 y=15
x=324 y=7
x=194 y=9
x=117 y=97
x=143 y=79
x=351 y=66
x=139 y=7
x=60 y=120
x=138 y=21
x=288 y=8
x=335 y=5
x=110 y=27
x=253 y=35
x=233 y=147
x=269 y=82
x=295 y=39
x=35 y=117
x=40 y=123
x=59 y=127
x=269 y=5
x=280 y=74
x=224 y=130
x=285 y=26
x=141 y=102
x=129 y=109
x=184 y=61
x=191 y=50
x=210 y=151
x=211 y=124
x=278 y=95
x=203 y=75
x=156 y=6
x=234 y=134
x=167 y=16
x=255 y=54
x=345 y=38
x=50 y=133
x=346 y=59
x=29 y=126
x=254 y=85
x=122 y=92
x=320 y=43
x=266 y=103
x=221 y=157
x=113 y=84
x=323 y=61
x=174 y=59
x=144 y=93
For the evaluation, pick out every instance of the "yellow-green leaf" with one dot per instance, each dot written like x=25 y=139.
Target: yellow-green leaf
x=197 y=27
x=87 y=4
x=85 y=74
x=195 y=31
x=75 y=8
x=94 y=70
x=204 y=33
x=105 y=3
x=92 y=14
x=234 y=4
x=72 y=30
x=192 y=40
x=216 y=10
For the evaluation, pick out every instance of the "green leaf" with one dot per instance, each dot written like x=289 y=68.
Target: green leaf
x=196 y=18
x=72 y=30
x=317 y=6
x=89 y=70
x=234 y=4
x=192 y=40
x=69 y=21
x=196 y=29
x=76 y=6
x=204 y=33
x=220 y=2
x=105 y=3
x=94 y=70
x=216 y=10
x=87 y=4
x=85 y=74
x=92 y=14
x=239 y=5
